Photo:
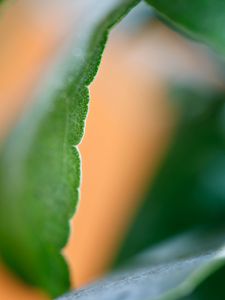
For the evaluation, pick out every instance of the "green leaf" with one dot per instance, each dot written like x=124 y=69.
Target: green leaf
x=170 y=271
x=188 y=189
x=211 y=288
x=39 y=163
x=201 y=19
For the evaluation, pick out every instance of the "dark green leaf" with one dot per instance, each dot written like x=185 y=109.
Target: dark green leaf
x=201 y=19
x=39 y=163
x=188 y=190
x=211 y=289
x=170 y=271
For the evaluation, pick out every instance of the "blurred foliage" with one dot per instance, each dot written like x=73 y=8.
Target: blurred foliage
x=210 y=289
x=200 y=19
x=189 y=190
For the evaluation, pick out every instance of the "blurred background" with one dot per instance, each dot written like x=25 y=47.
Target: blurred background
x=131 y=122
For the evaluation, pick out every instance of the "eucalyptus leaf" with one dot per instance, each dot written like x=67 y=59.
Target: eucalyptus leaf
x=201 y=19
x=170 y=271
x=39 y=161
x=188 y=190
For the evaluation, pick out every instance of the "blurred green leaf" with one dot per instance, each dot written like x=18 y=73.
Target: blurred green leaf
x=211 y=289
x=201 y=19
x=188 y=190
x=170 y=271
x=39 y=163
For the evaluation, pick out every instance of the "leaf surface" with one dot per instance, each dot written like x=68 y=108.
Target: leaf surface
x=39 y=161
x=171 y=271
x=201 y=19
